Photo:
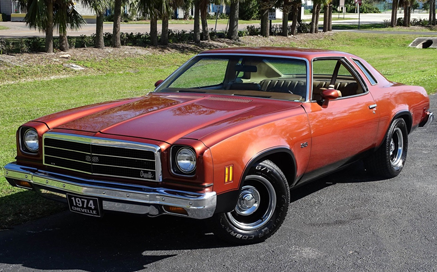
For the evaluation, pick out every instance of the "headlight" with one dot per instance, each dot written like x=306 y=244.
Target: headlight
x=186 y=160
x=30 y=140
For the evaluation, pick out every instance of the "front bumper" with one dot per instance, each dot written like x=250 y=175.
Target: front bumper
x=116 y=197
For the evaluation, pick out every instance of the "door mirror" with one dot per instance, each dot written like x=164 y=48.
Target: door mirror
x=329 y=94
x=157 y=83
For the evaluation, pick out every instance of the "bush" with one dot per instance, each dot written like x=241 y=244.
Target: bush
x=364 y=8
x=248 y=10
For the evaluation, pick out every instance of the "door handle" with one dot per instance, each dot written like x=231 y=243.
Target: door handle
x=372 y=106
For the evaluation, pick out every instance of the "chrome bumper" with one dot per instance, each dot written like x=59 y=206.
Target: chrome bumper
x=428 y=120
x=115 y=196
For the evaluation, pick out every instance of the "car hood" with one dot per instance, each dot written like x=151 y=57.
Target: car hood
x=168 y=117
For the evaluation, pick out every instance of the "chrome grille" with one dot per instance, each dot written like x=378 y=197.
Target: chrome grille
x=102 y=157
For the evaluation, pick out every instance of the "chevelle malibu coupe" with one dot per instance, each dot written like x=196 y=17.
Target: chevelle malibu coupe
x=223 y=138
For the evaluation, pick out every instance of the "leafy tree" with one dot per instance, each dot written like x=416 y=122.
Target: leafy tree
x=248 y=10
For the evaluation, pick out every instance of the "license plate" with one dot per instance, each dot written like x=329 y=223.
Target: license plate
x=84 y=205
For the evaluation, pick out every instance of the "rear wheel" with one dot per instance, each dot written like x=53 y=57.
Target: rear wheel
x=261 y=207
x=389 y=160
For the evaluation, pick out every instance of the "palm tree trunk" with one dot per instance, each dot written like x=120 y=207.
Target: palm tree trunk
x=63 y=42
x=154 y=30
x=313 y=19
x=394 y=13
x=330 y=18
x=233 y=20
x=317 y=18
x=196 y=22
x=116 y=42
x=265 y=29
x=164 y=34
x=325 y=18
x=433 y=19
x=406 y=10
x=99 y=42
x=49 y=28
x=294 y=13
x=204 y=19
x=285 y=13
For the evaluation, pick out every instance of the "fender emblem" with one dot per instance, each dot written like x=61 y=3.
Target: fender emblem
x=302 y=145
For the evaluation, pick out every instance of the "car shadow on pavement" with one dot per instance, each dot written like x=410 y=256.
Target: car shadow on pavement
x=353 y=173
x=119 y=242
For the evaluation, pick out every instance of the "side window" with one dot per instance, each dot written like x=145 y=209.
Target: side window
x=366 y=72
x=328 y=72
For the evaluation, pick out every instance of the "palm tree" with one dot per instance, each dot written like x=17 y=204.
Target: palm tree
x=264 y=7
x=44 y=15
x=196 y=21
x=327 y=8
x=286 y=9
x=432 y=18
x=233 y=20
x=203 y=5
x=150 y=7
x=394 y=13
x=296 y=7
x=116 y=30
x=66 y=16
x=315 y=16
x=99 y=7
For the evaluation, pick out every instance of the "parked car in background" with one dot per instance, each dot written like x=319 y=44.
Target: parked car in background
x=223 y=138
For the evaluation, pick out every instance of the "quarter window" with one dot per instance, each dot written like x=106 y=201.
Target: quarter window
x=366 y=72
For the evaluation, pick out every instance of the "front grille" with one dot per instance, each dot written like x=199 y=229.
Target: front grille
x=102 y=157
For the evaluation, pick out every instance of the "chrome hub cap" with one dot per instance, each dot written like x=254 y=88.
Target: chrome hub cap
x=396 y=148
x=248 y=202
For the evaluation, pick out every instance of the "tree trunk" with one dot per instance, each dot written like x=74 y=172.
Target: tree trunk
x=295 y=12
x=233 y=20
x=49 y=28
x=63 y=42
x=330 y=18
x=316 y=30
x=285 y=23
x=325 y=18
x=164 y=34
x=154 y=30
x=433 y=19
x=99 y=42
x=265 y=28
x=394 y=13
x=196 y=22
x=406 y=14
x=116 y=42
x=204 y=19
x=313 y=19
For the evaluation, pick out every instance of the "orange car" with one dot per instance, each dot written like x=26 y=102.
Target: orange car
x=223 y=138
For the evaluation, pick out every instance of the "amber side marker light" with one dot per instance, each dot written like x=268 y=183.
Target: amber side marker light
x=177 y=210
x=23 y=184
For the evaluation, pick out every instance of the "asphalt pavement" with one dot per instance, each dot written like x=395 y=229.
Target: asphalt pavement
x=348 y=221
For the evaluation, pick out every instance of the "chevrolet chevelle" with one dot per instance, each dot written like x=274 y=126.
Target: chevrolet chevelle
x=223 y=138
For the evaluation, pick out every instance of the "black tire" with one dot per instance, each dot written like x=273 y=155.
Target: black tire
x=261 y=207
x=389 y=160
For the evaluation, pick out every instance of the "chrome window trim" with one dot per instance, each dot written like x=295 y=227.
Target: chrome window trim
x=250 y=55
x=98 y=141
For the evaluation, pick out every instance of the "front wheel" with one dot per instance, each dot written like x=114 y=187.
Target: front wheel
x=389 y=160
x=261 y=207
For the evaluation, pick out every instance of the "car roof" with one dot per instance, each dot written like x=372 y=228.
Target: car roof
x=281 y=51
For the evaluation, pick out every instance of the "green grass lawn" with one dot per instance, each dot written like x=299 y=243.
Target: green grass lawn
x=111 y=79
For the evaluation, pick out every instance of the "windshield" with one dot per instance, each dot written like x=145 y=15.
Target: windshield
x=266 y=77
